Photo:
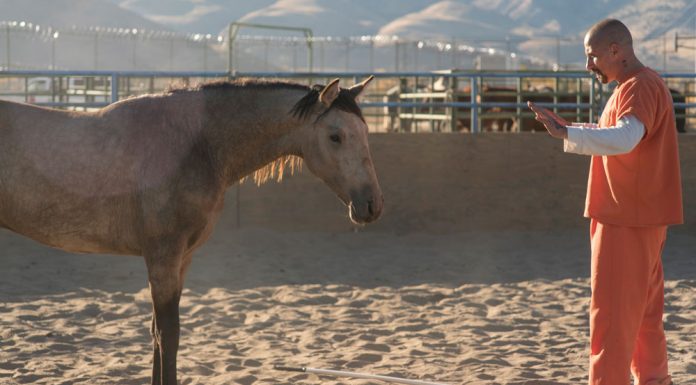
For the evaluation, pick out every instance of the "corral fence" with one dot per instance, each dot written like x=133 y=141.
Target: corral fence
x=442 y=101
x=29 y=46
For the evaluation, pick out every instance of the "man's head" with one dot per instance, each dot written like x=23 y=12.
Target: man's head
x=609 y=50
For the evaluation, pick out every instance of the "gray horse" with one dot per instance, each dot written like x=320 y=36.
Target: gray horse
x=147 y=175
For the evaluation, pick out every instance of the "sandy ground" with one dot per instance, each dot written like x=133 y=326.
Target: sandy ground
x=469 y=308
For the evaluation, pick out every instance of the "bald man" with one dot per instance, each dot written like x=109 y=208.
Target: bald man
x=633 y=194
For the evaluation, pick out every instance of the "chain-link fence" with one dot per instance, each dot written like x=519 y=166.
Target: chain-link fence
x=25 y=45
x=28 y=46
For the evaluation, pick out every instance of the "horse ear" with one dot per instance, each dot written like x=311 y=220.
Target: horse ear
x=329 y=93
x=358 y=89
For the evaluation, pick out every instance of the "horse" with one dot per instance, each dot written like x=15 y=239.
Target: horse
x=147 y=175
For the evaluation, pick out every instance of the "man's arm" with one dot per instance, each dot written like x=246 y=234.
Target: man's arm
x=617 y=140
x=591 y=140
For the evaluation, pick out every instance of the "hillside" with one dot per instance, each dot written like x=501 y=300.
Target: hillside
x=548 y=30
x=542 y=26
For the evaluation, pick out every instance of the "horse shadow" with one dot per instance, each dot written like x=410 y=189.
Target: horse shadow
x=238 y=259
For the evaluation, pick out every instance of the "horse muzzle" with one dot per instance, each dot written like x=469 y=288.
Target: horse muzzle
x=365 y=207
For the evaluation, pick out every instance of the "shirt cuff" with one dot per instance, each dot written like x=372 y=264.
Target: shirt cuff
x=573 y=143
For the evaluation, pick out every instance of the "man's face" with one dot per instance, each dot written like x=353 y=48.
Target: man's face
x=599 y=59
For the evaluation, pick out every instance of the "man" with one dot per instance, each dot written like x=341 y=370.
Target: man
x=633 y=194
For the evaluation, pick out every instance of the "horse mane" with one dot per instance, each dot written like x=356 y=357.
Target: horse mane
x=345 y=101
x=301 y=110
x=276 y=169
x=236 y=83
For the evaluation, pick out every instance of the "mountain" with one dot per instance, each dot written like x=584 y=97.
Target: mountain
x=325 y=17
x=335 y=17
x=193 y=16
x=530 y=18
x=450 y=19
x=549 y=30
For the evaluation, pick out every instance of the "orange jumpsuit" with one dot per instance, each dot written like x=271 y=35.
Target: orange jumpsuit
x=631 y=199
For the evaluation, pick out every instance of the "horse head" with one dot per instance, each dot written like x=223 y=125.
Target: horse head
x=335 y=147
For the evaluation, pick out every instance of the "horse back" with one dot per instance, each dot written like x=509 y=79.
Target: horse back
x=85 y=182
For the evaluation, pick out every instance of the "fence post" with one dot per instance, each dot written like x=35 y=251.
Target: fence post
x=7 y=46
x=114 y=87
x=518 y=110
x=453 y=98
x=474 y=105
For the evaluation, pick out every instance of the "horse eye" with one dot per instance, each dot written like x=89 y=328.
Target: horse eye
x=335 y=138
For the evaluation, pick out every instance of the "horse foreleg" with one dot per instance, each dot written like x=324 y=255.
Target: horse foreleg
x=156 y=358
x=165 y=288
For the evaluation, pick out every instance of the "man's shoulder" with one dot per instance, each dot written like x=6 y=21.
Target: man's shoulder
x=648 y=75
x=646 y=79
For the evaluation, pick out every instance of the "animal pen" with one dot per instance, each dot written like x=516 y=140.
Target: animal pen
x=415 y=102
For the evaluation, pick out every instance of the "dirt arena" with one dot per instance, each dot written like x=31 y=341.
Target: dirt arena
x=477 y=273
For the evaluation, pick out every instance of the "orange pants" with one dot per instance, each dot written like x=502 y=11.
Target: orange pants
x=626 y=333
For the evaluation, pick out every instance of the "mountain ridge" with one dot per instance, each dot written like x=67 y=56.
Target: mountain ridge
x=536 y=26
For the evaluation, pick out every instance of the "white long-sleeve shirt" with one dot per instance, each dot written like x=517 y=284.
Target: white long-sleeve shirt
x=589 y=139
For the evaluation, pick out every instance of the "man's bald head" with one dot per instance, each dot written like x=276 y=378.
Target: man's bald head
x=610 y=31
x=609 y=51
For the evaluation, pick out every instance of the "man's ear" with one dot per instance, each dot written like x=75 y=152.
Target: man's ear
x=614 y=49
x=329 y=93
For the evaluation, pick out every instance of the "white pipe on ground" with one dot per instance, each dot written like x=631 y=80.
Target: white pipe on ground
x=342 y=373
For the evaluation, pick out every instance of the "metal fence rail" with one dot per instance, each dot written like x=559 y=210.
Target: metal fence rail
x=444 y=101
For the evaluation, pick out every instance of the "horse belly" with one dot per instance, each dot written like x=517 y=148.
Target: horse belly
x=80 y=240
x=73 y=227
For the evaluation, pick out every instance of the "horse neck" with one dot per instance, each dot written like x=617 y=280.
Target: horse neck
x=251 y=128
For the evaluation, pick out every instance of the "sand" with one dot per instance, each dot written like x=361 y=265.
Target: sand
x=468 y=308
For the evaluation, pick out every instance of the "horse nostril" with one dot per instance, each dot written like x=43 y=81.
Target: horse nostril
x=370 y=205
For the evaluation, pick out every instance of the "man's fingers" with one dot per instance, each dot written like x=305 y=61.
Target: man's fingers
x=537 y=109
x=533 y=107
x=545 y=113
x=544 y=119
x=541 y=118
x=544 y=116
x=550 y=120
